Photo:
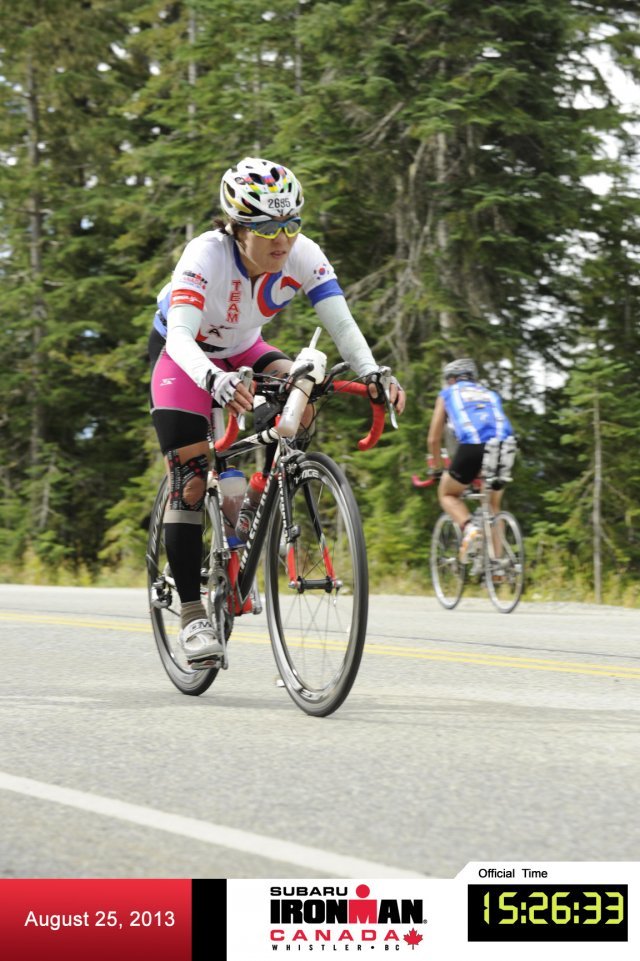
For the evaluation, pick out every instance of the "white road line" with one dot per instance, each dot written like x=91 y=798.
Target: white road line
x=314 y=859
x=38 y=699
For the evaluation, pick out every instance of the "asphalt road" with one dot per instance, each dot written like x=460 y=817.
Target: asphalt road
x=468 y=736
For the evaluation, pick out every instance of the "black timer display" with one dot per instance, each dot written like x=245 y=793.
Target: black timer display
x=545 y=912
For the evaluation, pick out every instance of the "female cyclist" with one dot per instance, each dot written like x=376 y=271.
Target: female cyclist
x=228 y=283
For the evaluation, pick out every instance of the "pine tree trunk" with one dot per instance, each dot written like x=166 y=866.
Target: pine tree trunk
x=597 y=501
x=442 y=232
x=192 y=77
x=34 y=205
x=297 y=53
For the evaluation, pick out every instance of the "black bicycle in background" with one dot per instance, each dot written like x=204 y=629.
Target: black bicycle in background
x=308 y=526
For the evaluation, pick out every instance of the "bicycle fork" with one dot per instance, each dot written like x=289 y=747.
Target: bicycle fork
x=297 y=582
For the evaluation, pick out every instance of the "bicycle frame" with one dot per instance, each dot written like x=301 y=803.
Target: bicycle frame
x=241 y=570
x=485 y=515
x=240 y=566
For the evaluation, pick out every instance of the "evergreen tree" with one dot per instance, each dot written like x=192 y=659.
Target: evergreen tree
x=64 y=447
x=593 y=513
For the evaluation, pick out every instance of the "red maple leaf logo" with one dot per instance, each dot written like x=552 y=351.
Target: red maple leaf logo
x=413 y=938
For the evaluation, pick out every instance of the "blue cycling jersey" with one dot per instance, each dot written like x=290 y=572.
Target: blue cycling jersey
x=475 y=413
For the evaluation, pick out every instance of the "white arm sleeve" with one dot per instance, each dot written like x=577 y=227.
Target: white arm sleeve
x=337 y=319
x=183 y=324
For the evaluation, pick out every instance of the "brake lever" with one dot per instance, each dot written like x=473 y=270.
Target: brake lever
x=294 y=375
x=384 y=382
x=333 y=373
x=246 y=379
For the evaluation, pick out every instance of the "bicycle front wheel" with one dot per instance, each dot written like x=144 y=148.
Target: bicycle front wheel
x=317 y=588
x=447 y=573
x=505 y=574
x=164 y=606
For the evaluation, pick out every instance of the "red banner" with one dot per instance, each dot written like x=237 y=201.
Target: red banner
x=104 y=920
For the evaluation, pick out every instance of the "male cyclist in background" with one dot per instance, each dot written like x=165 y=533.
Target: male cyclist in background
x=229 y=283
x=473 y=414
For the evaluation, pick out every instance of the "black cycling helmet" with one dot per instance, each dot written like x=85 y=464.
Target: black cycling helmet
x=464 y=367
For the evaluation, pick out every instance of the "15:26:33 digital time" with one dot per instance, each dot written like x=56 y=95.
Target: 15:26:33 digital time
x=547 y=912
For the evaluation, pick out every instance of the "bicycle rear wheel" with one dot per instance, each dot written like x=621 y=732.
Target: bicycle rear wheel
x=447 y=573
x=505 y=575
x=164 y=605
x=318 y=625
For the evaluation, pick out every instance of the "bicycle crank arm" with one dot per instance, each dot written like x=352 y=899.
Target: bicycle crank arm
x=219 y=625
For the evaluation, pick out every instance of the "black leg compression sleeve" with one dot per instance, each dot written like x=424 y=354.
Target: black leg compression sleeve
x=184 y=553
x=183 y=524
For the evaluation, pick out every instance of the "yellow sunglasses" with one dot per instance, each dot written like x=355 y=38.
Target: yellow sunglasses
x=271 y=228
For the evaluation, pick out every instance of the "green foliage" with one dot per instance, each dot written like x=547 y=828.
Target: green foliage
x=450 y=153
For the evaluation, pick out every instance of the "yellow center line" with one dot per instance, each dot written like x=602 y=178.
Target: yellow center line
x=103 y=625
x=520 y=662
x=481 y=657
x=129 y=627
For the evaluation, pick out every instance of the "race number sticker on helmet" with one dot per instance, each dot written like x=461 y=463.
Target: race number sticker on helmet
x=279 y=205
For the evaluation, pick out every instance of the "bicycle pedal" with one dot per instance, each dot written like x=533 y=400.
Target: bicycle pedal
x=206 y=663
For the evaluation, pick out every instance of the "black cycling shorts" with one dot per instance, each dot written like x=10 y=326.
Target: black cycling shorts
x=467 y=463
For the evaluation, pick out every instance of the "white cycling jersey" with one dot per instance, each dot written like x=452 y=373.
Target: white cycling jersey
x=211 y=277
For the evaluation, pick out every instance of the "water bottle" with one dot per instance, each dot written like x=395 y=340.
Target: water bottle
x=298 y=398
x=249 y=507
x=233 y=485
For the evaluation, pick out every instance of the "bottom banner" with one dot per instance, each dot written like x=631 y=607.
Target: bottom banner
x=490 y=911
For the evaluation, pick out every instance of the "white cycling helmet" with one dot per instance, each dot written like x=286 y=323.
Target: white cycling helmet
x=464 y=367
x=257 y=190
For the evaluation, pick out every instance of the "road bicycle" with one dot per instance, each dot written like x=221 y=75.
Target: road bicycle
x=498 y=555
x=315 y=562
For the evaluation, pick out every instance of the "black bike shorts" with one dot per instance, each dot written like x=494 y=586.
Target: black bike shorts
x=467 y=463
